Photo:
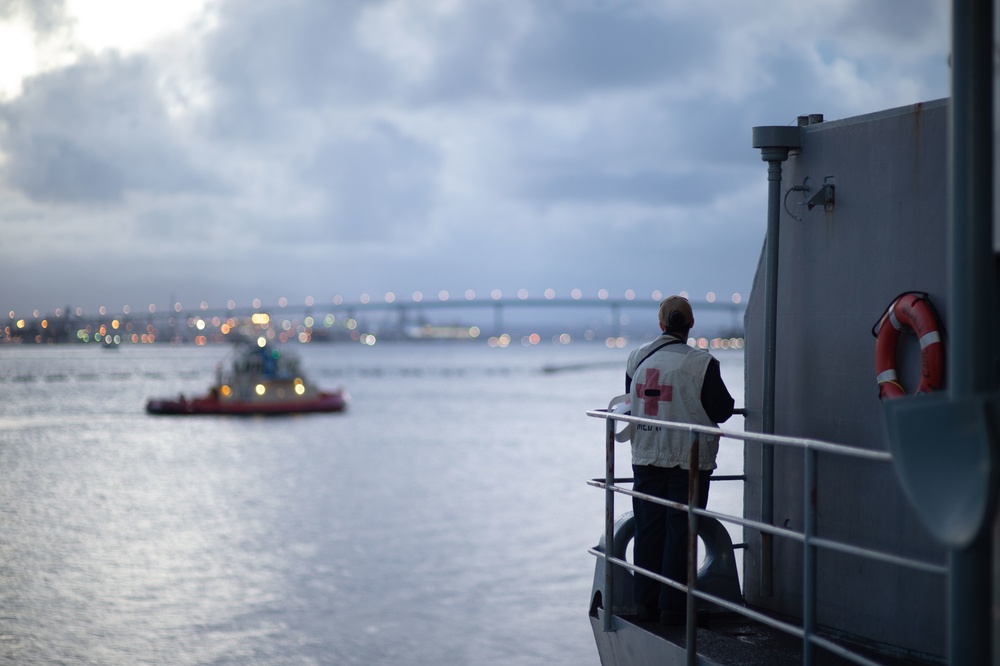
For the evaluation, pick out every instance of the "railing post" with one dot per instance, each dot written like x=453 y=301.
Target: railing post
x=692 y=545
x=809 y=485
x=609 y=522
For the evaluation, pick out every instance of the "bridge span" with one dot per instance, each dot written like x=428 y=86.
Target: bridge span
x=389 y=318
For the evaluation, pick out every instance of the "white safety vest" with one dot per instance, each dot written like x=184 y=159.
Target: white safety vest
x=667 y=385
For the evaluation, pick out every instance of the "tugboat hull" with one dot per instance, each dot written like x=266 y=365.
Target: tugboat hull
x=323 y=402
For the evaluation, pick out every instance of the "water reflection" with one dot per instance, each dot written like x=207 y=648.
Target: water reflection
x=444 y=520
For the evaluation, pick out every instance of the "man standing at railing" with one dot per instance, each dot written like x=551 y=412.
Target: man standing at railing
x=669 y=380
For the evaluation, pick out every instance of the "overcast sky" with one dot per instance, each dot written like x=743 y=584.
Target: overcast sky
x=240 y=149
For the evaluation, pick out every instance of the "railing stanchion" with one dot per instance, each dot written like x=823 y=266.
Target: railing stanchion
x=692 y=546
x=809 y=484
x=609 y=522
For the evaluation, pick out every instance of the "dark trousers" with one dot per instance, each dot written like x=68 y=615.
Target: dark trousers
x=661 y=534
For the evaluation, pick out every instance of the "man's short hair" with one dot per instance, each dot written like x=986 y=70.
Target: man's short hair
x=675 y=314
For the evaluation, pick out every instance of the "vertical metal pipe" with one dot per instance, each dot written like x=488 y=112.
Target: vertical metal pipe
x=692 y=545
x=770 y=362
x=972 y=275
x=771 y=291
x=609 y=522
x=809 y=484
x=972 y=304
x=774 y=144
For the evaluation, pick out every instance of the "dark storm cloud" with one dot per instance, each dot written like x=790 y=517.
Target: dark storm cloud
x=91 y=132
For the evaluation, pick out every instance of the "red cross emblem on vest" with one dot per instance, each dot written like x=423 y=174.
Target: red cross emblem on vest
x=652 y=392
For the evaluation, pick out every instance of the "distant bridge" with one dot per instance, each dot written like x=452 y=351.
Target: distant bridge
x=388 y=318
x=614 y=306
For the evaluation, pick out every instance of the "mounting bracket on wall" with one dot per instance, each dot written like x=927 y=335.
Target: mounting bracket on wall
x=824 y=196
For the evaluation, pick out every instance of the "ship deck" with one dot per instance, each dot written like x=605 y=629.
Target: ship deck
x=728 y=639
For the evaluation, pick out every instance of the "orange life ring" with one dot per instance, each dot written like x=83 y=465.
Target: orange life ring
x=914 y=311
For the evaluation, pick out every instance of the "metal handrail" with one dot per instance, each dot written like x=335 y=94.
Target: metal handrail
x=780 y=440
x=829 y=544
x=810 y=542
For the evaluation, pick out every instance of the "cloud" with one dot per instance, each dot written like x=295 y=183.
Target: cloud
x=45 y=16
x=378 y=185
x=316 y=147
x=91 y=132
x=587 y=50
x=273 y=62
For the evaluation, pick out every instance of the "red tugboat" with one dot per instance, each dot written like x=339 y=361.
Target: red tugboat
x=258 y=379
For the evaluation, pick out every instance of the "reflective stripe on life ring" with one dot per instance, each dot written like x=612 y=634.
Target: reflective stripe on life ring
x=914 y=311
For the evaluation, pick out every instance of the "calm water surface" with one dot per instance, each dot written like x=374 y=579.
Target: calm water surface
x=444 y=519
